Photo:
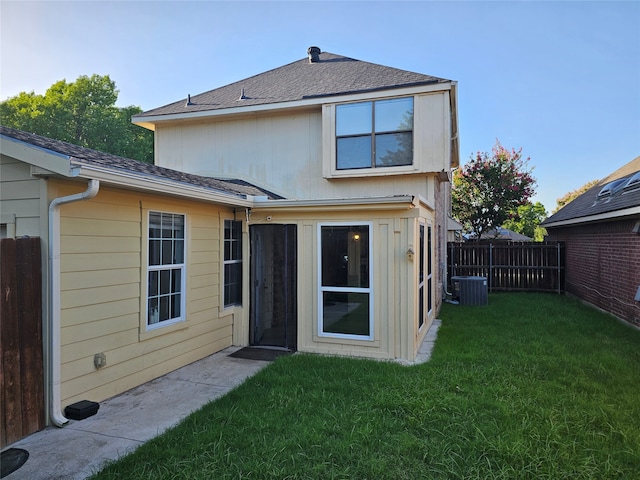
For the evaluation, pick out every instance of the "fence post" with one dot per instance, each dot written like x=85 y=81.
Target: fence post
x=490 y=266
x=558 y=261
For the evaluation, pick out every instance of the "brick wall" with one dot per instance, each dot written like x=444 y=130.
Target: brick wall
x=603 y=265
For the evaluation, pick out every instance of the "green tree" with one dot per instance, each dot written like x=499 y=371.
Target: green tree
x=83 y=113
x=527 y=219
x=490 y=188
x=570 y=196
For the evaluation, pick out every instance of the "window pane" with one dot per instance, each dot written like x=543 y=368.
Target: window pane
x=420 y=306
x=154 y=316
x=166 y=252
x=154 y=224
x=178 y=226
x=175 y=305
x=154 y=252
x=429 y=247
x=394 y=115
x=421 y=264
x=153 y=284
x=394 y=149
x=167 y=221
x=164 y=309
x=233 y=284
x=165 y=281
x=346 y=313
x=353 y=152
x=353 y=119
x=178 y=251
x=176 y=280
x=345 y=256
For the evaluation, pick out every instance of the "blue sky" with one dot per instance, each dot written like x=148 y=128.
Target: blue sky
x=559 y=79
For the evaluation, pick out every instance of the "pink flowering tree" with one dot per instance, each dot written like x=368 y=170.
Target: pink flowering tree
x=488 y=189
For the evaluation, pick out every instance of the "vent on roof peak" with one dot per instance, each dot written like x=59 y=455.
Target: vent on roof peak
x=314 y=54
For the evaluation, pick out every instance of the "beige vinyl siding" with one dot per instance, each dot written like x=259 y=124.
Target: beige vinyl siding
x=286 y=153
x=103 y=281
x=22 y=199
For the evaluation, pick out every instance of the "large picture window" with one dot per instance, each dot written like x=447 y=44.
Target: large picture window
x=166 y=269
x=232 y=263
x=345 y=301
x=374 y=134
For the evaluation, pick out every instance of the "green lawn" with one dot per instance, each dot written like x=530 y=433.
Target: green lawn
x=532 y=386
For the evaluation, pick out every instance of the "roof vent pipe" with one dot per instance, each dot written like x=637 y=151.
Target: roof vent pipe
x=189 y=100
x=314 y=54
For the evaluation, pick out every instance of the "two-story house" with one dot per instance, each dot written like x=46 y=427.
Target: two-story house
x=350 y=260
x=304 y=208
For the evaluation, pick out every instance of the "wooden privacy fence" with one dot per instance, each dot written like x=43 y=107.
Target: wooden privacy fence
x=510 y=266
x=21 y=366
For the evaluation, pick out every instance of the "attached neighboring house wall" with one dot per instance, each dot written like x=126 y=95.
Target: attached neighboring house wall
x=22 y=200
x=103 y=292
x=603 y=265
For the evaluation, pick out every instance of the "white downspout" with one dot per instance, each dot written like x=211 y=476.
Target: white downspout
x=54 y=356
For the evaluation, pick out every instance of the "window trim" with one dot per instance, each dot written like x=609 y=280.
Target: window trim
x=232 y=261
x=150 y=327
x=330 y=167
x=369 y=290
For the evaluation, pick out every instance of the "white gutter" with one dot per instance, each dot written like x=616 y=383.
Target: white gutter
x=593 y=218
x=54 y=355
x=350 y=203
x=140 y=181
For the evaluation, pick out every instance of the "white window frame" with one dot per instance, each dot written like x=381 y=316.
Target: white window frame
x=429 y=249
x=229 y=262
x=422 y=268
x=161 y=267
x=322 y=289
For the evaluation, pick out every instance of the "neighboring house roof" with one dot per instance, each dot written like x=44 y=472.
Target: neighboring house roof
x=328 y=75
x=615 y=196
x=86 y=157
x=501 y=233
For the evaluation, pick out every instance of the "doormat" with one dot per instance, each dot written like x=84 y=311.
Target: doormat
x=257 y=353
x=11 y=460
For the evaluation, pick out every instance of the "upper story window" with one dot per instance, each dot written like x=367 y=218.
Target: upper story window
x=374 y=134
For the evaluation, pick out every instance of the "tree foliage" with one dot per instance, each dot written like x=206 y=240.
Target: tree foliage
x=570 y=196
x=83 y=113
x=490 y=187
x=527 y=220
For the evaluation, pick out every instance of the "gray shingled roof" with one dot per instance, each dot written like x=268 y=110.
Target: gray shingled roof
x=588 y=204
x=86 y=156
x=300 y=80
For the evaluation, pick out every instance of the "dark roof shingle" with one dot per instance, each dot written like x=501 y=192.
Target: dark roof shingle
x=86 y=156
x=300 y=80
x=588 y=204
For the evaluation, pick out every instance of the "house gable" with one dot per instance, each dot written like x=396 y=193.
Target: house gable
x=278 y=129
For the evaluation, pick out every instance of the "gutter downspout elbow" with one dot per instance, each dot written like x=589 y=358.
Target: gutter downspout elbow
x=54 y=354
